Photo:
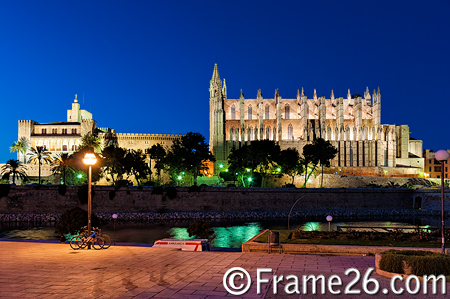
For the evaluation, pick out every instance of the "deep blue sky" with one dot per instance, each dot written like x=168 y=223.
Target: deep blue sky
x=145 y=66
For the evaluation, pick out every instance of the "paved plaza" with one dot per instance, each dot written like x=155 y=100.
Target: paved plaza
x=51 y=270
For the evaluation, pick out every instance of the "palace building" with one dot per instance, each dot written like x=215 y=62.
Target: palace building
x=352 y=124
x=65 y=137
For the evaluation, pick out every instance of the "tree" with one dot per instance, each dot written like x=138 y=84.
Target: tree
x=114 y=162
x=20 y=146
x=15 y=169
x=188 y=154
x=91 y=141
x=320 y=151
x=135 y=165
x=260 y=156
x=40 y=155
x=290 y=163
x=62 y=165
x=264 y=156
x=158 y=153
x=325 y=152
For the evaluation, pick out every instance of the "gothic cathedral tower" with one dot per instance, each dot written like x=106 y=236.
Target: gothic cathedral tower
x=217 y=96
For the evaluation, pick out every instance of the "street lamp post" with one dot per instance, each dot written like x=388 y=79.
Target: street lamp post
x=442 y=156
x=329 y=219
x=114 y=216
x=89 y=159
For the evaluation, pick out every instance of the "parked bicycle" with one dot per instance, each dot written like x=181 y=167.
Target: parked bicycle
x=83 y=240
x=107 y=239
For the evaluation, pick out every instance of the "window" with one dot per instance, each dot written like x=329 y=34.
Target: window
x=64 y=148
x=429 y=169
x=54 y=131
x=266 y=112
x=233 y=130
x=233 y=112
x=286 y=112
x=74 y=131
x=290 y=132
x=74 y=148
x=249 y=112
x=44 y=131
x=64 y=131
x=252 y=134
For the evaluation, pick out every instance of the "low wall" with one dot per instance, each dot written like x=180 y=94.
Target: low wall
x=46 y=199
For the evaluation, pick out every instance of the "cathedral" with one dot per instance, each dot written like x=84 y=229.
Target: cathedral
x=352 y=124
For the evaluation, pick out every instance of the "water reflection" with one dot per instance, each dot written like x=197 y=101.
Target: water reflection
x=230 y=234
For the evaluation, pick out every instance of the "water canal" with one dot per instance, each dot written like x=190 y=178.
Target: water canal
x=229 y=233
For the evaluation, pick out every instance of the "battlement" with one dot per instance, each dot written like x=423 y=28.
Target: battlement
x=141 y=135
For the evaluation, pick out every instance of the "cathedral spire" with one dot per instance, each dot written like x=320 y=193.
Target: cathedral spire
x=242 y=94
x=379 y=93
x=215 y=76
x=332 y=95
x=303 y=92
x=298 y=93
x=315 y=94
x=349 y=95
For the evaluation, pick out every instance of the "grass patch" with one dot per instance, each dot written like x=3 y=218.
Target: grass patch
x=393 y=239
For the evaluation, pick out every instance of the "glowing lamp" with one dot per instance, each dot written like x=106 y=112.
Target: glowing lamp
x=442 y=155
x=179 y=177
x=114 y=216
x=89 y=159
x=221 y=165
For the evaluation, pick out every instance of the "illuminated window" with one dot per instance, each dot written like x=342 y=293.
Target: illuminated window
x=74 y=131
x=233 y=112
x=74 y=148
x=54 y=131
x=44 y=131
x=266 y=112
x=290 y=132
x=286 y=112
x=64 y=148
x=64 y=131
x=249 y=112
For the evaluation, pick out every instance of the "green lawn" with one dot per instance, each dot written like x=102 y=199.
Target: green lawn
x=284 y=236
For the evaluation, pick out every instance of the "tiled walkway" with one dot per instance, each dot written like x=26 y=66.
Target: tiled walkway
x=48 y=270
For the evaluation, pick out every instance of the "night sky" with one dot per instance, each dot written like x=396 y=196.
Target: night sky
x=145 y=66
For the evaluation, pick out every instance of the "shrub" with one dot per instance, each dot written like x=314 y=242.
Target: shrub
x=194 y=188
x=83 y=191
x=421 y=262
x=4 y=190
x=73 y=219
x=62 y=189
x=200 y=229
x=157 y=190
x=171 y=192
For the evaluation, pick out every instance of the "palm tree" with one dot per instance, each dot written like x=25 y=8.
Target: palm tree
x=14 y=168
x=91 y=141
x=62 y=164
x=20 y=146
x=40 y=155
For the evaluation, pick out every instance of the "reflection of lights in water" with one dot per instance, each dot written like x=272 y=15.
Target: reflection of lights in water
x=311 y=226
x=230 y=237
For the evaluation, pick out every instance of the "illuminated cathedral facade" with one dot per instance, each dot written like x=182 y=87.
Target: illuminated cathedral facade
x=352 y=124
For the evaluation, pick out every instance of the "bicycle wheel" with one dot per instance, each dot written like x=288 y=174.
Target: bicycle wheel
x=76 y=242
x=107 y=241
x=98 y=243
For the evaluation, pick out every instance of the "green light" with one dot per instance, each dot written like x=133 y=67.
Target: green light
x=248 y=170
x=226 y=170
x=179 y=177
x=249 y=179
x=221 y=165
x=182 y=173
x=80 y=176
x=278 y=169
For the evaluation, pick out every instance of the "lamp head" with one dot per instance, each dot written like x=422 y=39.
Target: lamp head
x=442 y=155
x=114 y=216
x=329 y=218
x=89 y=159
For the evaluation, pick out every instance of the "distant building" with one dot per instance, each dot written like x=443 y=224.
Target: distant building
x=65 y=137
x=352 y=124
x=433 y=166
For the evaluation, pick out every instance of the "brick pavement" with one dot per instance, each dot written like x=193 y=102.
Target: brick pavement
x=49 y=270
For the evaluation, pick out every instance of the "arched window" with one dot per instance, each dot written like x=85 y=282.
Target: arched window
x=268 y=133
x=290 y=132
x=249 y=112
x=252 y=134
x=266 y=112
x=286 y=112
x=234 y=133
x=233 y=112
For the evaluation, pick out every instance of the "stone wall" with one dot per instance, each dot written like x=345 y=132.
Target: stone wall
x=46 y=199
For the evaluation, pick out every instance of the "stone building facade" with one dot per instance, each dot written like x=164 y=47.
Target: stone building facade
x=65 y=137
x=433 y=166
x=351 y=123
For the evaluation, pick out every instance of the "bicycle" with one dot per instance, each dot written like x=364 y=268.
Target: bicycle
x=82 y=240
x=107 y=239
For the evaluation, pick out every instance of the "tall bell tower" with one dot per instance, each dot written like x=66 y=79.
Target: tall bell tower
x=217 y=95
